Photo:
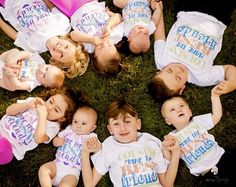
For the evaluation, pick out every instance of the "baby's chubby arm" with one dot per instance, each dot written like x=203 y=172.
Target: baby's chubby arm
x=216 y=104
x=90 y=176
x=58 y=141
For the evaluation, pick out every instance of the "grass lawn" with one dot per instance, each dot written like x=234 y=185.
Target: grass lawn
x=131 y=84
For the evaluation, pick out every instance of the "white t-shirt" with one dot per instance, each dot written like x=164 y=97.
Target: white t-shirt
x=69 y=154
x=137 y=12
x=91 y=19
x=132 y=164
x=28 y=70
x=199 y=150
x=35 y=23
x=19 y=130
x=194 y=40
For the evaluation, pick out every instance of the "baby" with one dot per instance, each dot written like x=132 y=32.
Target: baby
x=139 y=23
x=65 y=169
x=22 y=70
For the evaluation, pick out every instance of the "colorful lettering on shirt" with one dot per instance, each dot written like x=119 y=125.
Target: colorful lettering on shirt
x=33 y=16
x=27 y=71
x=92 y=23
x=138 y=168
x=21 y=127
x=136 y=12
x=192 y=45
x=70 y=153
x=194 y=144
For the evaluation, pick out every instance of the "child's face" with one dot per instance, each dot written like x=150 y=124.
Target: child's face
x=176 y=112
x=175 y=76
x=61 y=50
x=84 y=121
x=124 y=128
x=105 y=51
x=139 y=41
x=45 y=74
x=56 y=107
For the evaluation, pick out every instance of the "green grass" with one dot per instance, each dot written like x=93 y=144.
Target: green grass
x=131 y=84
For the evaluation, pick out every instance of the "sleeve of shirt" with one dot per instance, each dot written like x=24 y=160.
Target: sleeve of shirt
x=158 y=52
x=100 y=160
x=151 y=28
x=205 y=120
x=51 y=130
x=213 y=76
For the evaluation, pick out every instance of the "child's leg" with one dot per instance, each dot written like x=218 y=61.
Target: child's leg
x=69 y=180
x=2 y=2
x=46 y=173
x=6 y=154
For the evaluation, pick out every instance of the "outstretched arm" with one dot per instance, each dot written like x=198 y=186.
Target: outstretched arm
x=216 y=105
x=159 y=33
x=79 y=36
x=229 y=84
x=90 y=176
x=8 y=30
x=171 y=144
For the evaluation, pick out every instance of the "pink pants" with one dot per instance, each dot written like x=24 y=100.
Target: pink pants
x=2 y=2
x=68 y=7
x=6 y=154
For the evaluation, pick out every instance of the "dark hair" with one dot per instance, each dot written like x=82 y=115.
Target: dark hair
x=73 y=99
x=120 y=106
x=159 y=91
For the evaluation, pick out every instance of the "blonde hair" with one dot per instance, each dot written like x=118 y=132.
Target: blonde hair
x=80 y=63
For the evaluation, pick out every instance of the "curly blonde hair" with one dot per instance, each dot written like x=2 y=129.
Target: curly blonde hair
x=80 y=63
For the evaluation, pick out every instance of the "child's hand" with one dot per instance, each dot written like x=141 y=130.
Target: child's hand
x=156 y=4
x=15 y=56
x=224 y=87
x=58 y=141
x=157 y=12
x=215 y=92
x=92 y=145
x=36 y=102
x=42 y=110
x=96 y=41
x=106 y=32
x=171 y=143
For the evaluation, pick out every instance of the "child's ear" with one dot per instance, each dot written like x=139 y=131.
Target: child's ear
x=139 y=124
x=109 y=129
x=167 y=121
x=182 y=90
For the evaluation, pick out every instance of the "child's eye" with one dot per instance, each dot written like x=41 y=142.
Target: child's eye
x=50 y=101
x=66 y=46
x=172 y=109
x=169 y=71
x=56 y=110
x=84 y=123
x=115 y=124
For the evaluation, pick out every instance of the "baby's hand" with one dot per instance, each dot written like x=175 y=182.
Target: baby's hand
x=36 y=102
x=58 y=141
x=92 y=145
x=215 y=92
x=224 y=87
x=106 y=32
x=156 y=4
x=96 y=41
x=13 y=58
x=171 y=143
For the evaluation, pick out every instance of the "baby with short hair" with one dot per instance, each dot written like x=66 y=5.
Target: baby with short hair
x=22 y=70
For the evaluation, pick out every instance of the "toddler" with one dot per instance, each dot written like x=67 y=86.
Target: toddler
x=65 y=169
x=30 y=122
x=22 y=70
x=139 y=23
x=187 y=55
x=199 y=150
x=132 y=158
x=40 y=29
